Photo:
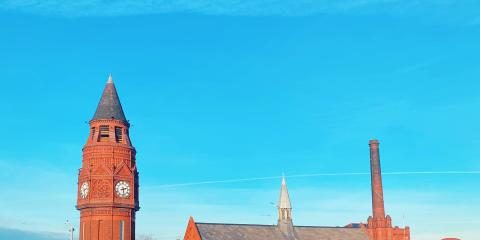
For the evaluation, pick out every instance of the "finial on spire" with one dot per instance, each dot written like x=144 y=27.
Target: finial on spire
x=110 y=80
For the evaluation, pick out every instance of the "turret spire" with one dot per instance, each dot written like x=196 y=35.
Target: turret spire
x=109 y=106
x=284 y=205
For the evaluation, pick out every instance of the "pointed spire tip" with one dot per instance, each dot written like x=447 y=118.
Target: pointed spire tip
x=110 y=80
x=284 y=200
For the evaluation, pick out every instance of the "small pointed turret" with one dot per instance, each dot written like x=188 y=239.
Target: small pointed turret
x=285 y=223
x=284 y=205
x=109 y=106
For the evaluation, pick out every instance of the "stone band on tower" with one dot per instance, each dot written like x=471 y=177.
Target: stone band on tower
x=108 y=180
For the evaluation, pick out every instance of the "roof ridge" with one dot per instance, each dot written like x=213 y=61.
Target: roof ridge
x=271 y=225
x=325 y=227
x=241 y=224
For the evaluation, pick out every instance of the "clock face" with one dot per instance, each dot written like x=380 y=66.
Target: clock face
x=84 y=190
x=122 y=189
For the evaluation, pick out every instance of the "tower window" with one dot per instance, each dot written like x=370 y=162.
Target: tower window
x=122 y=223
x=93 y=132
x=118 y=134
x=104 y=134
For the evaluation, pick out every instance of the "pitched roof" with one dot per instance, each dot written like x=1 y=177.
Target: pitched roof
x=218 y=231
x=331 y=233
x=212 y=231
x=109 y=106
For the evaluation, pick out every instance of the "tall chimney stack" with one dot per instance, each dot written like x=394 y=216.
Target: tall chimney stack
x=378 y=207
x=379 y=226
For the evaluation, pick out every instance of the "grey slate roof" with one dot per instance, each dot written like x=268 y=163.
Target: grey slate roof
x=109 y=106
x=331 y=233
x=218 y=231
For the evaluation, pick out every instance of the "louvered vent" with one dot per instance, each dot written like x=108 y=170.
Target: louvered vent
x=93 y=133
x=118 y=134
x=104 y=134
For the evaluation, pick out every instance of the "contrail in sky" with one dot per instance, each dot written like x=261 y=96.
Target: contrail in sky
x=315 y=175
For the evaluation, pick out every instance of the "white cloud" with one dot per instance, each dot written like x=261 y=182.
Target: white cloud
x=8 y=233
x=213 y=7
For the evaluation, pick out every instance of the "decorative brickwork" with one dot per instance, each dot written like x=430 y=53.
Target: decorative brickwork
x=108 y=180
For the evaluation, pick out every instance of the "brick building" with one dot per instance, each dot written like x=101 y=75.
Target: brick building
x=108 y=196
x=108 y=179
x=378 y=226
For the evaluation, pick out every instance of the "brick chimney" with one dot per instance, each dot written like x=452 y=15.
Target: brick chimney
x=379 y=225
x=378 y=207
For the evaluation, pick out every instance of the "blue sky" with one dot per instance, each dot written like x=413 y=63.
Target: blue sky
x=220 y=90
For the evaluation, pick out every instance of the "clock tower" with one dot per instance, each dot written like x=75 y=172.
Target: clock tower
x=108 y=180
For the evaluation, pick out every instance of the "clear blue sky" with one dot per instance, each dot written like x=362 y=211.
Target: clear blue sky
x=220 y=90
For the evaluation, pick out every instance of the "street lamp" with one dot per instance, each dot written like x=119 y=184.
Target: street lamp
x=71 y=229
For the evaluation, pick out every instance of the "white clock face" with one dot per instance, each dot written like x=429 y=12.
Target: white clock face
x=122 y=189
x=84 y=190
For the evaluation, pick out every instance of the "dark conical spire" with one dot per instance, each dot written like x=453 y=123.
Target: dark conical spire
x=109 y=106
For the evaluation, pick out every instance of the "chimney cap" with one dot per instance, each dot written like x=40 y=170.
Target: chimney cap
x=374 y=142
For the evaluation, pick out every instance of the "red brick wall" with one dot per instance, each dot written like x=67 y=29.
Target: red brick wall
x=384 y=231
x=192 y=232
x=104 y=164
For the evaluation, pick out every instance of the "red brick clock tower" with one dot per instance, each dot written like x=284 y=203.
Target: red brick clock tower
x=108 y=180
